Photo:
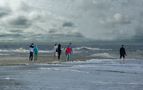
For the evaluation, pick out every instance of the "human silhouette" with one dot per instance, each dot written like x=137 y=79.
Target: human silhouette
x=122 y=53
x=59 y=51
x=68 y=52
x=31 y=51
x=35 y=52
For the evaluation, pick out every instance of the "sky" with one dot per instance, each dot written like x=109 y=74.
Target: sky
x=51 y=19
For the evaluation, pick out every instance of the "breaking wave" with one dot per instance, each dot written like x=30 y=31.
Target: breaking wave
x=22 y=50
x=91 y=48
x=102 y=55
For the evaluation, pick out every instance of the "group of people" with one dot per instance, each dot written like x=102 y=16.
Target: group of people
x=68 y=51
x=33 y=52
x=58 y=51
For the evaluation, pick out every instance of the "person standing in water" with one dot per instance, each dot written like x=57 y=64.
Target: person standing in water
x=55 y=50
x=35 y=52
x=31 y=51
x=59 y=51
x=122 y=53
x=68 y=52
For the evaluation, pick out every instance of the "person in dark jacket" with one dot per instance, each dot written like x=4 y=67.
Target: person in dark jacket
x=122 y=52
x=59 y=51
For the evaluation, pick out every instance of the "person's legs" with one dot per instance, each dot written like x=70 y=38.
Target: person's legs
x=123 y=58
x=67 y=57
x=31 y=56
x=55 y=54
x=59 y=55
x=35 y=57
x=120 y=56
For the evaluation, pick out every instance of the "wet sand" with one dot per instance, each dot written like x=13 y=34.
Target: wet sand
x=95 y=74
x=23 y=59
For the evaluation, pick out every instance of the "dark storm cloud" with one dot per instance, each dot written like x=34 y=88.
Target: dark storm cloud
x=68 y=24
x=18 y=15
x=16 y=31
x=20 y=21
x=52 y=31
x=11 y=35
x=97 y=19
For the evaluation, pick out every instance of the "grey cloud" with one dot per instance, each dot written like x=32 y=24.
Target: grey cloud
x=4 y=11
x=11 y=35
x=68 y=24
x=21 y=16
x=16 y=31
x=102 y=19
x=77 y=34
x=20 y=21
x=25 y=7
x=52 y=31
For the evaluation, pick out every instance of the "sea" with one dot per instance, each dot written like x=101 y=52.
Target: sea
x=104 y=72
x=99 y=50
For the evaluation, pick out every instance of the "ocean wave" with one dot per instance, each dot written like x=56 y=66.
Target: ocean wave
x=90 y=48
x=102 y=55
x=13 y=50
x=46 y=51
x=22 y=50
x=139 y=51
x=1 y=54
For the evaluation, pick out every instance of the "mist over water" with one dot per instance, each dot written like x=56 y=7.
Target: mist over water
x=74 y=19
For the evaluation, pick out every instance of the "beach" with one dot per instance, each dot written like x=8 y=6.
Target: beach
x=23 y=59
x=100 y=43
x=94 y=74
x=14 y=54
x=90 y=68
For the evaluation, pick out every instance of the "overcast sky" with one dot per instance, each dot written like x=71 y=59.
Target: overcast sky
x=96 y=19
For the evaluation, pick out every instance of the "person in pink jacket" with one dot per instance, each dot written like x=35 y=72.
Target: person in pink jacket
x=68 y=52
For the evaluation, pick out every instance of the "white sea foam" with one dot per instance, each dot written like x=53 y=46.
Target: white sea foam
x=1 y=54
x=102 y=55
x=14 y=50
x=22 y=50
x=7 y=78
x=90 y=48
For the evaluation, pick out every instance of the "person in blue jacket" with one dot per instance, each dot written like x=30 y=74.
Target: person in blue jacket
x=35 y=52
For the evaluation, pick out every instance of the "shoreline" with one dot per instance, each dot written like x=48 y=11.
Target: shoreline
x=23 y=59
x=42 y=59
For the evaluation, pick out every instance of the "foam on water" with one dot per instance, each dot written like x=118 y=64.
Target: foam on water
x=91 y=48
x=102 y=55
x=92 y=74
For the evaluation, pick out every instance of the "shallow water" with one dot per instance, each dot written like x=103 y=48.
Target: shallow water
x=104 y=74
x=102 y=50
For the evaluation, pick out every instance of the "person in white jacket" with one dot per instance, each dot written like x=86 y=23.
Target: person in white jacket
x=31 y=51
